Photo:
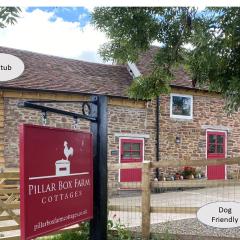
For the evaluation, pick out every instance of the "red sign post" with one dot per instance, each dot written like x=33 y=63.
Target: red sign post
x=56 y=174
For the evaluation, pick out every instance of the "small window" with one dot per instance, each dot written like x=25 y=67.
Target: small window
x=131 y=149
x=216 y=144
x=181 y=106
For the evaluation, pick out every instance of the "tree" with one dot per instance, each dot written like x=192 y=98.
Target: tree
x=8 y=15
x=211 y=58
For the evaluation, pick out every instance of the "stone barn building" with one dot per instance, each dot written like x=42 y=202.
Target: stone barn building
x=189 y=123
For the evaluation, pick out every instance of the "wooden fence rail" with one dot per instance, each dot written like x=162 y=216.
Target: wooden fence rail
x=178 y=163
x=9 y=202
x=10 y=192
x=10 y=206
x=146 y=209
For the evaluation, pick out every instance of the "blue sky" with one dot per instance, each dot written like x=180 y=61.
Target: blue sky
x=69 y=14
x=59 y=31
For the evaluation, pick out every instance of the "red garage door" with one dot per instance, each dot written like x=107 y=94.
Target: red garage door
x=131 y=151
x=216 y=149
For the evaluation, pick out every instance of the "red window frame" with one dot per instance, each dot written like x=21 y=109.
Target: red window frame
x=216 y=154
x=131 y=159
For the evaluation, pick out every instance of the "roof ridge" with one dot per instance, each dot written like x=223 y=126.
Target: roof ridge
x=59 y=57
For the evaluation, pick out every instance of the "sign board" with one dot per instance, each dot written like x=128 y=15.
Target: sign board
x=56 y=174
x=222 y=214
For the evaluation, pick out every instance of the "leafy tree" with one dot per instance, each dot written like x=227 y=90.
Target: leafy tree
x=216 y=56
x=211 y=58
x=8 y=15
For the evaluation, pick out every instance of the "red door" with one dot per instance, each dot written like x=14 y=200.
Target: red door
x=131 y=151
x=216 y=149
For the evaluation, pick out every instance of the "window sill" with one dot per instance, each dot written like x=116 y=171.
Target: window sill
x=177 y=118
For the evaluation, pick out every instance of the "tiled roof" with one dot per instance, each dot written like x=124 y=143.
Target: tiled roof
x=145 y=65
x=44 y=72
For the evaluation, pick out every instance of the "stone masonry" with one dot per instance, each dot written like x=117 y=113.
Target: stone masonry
x=208 y=113
x=14 y=116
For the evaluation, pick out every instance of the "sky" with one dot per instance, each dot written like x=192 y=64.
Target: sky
x=59 y=31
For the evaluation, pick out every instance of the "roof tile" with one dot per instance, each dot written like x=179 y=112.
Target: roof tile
x=44 y=72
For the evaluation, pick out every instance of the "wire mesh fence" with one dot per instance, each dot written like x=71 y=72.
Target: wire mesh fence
x=165 y=207
x=173 y=202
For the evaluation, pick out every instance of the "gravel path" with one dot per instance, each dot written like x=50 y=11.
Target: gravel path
x=193 y=227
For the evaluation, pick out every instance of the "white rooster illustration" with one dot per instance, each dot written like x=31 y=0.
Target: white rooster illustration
x=67 y=151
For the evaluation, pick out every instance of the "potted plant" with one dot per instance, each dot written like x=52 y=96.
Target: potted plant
x=198 y=174
x=177 y=176
x=189 y=172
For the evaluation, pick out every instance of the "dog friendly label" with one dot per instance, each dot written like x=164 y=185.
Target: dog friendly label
x=220 y=214
x=10 y=67
x=56 y=175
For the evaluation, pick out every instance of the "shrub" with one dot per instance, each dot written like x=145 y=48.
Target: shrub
x=82 y=234
x=116 y=231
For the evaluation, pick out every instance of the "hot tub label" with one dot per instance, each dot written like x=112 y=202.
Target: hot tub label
x=56 y=179
x=220 y=214
x=10 y=67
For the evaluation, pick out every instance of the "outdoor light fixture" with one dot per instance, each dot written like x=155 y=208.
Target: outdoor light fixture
x=178 y=140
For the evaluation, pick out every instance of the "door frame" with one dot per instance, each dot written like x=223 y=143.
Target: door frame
x=120 y=148
x=206 y=140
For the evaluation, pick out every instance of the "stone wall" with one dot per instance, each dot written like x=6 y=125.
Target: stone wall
x=131 y=122
x=208 y=113
x=13 y=116
x=138 y=120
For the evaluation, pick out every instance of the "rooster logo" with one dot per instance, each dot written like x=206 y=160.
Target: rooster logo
x=67 y=151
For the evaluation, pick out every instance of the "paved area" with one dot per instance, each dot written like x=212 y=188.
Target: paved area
x=187 y=198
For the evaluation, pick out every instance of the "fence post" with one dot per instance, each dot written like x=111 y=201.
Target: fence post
x=146 y=201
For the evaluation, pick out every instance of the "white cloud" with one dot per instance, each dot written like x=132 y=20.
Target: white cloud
x=82 y=16
x=43 y=32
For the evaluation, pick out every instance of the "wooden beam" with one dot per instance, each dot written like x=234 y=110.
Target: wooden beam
x=10 y=238
x=186 y=210
x=44 y=96
x=195 y=92
x=130 y=185
x=9 y=174
x=5 y=218
x=194 y=183
x=179 y=163
x=146 y=201
x=195 y=163
x=10 y=206
x=126 y=103
x=9 y=228
x=124 y=166
x=9 y=191
x=122 y=208
x=6 y=186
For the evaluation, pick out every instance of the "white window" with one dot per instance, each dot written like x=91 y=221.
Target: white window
x=181 y=106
